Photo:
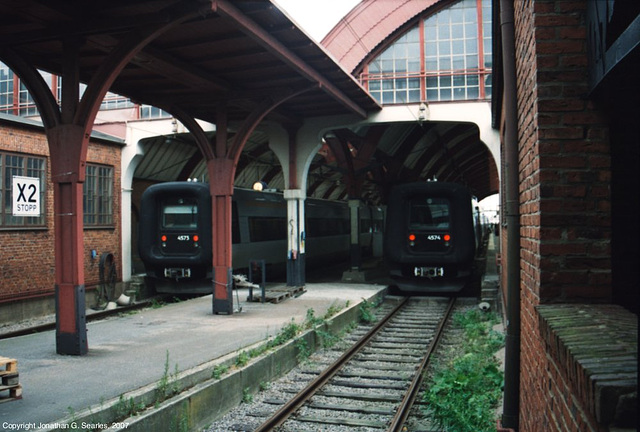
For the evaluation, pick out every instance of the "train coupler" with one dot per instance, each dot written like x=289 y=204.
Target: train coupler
x=429 y=272
x=177 y=273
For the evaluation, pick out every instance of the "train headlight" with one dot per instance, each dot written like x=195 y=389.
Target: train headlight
x=164 y=240
x=412 y=239
x=447 y=239
x=196 y=238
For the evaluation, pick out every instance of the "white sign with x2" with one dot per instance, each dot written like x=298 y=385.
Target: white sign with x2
x=26 y=196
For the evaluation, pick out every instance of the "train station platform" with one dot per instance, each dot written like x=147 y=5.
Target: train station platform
x=128 y=352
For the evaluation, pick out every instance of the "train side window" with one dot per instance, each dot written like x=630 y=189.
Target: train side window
x=267 y=229
x=429 y=213
x=235 y=223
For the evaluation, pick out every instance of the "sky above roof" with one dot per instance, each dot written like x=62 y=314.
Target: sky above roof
x=315 y=17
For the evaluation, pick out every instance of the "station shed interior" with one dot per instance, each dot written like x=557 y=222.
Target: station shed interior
x=234 y=65
x=275 y=94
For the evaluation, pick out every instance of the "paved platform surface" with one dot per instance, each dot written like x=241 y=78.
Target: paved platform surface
x=129 y=352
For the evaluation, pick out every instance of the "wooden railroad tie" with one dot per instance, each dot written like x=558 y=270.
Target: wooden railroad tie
x=9 y=379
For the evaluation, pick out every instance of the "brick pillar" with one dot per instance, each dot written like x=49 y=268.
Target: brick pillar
x=564 y=191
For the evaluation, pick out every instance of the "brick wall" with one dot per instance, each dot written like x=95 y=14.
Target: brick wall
x=564 y=198
x=105 y=240
x=26 y=257
x=27 y=267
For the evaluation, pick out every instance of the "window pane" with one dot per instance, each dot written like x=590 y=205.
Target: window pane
x=457 y=47
x=471 y=31
x=431 y=48
x=444 y=48
x=20 y=165
x=430 y=33
x=429 y=213
x=183 y=214
x=456 y=16
x=457 y=32
x=450 y=44
x=471 y=46
x=98 y=195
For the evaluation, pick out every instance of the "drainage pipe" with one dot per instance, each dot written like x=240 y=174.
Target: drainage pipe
x=510 y=416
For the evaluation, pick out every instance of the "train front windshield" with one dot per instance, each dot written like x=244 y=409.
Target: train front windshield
x=427 y=213
x=182 y=214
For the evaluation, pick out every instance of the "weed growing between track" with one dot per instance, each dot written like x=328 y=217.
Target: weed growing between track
x=465 y=391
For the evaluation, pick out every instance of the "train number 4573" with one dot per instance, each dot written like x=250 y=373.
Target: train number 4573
x=183 y=238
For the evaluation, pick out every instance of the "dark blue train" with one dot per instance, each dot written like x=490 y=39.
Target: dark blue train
x=435 y=239
x=175 y=236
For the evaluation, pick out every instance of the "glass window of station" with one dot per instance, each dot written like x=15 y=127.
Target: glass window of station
x=445 y=57
x=97 y=192
x=98 y=196
x=20 y=165
x=21 y=102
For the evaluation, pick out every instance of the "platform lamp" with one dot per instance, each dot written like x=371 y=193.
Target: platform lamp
x=259 y=186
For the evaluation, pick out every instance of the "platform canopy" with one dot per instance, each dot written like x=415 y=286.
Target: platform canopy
x=197 y=55
x=238 y=52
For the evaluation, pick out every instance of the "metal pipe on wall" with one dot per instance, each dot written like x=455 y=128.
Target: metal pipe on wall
x=510 y=416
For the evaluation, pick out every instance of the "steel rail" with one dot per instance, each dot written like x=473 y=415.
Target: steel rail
x=94 y=316
x=280 y=416
x=412 y=392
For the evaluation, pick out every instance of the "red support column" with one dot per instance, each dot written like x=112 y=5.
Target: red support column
x=68 y=145
x=221 y=173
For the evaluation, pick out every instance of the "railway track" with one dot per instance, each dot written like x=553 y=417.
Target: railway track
x=373 y=384
x=95 y=316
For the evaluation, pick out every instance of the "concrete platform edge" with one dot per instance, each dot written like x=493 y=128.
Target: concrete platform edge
x=200 y=399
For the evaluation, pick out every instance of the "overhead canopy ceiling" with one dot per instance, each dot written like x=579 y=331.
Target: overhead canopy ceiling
x=199 y=54
x=407 y=151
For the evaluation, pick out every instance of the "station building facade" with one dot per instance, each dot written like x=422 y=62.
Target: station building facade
x=27 y=254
